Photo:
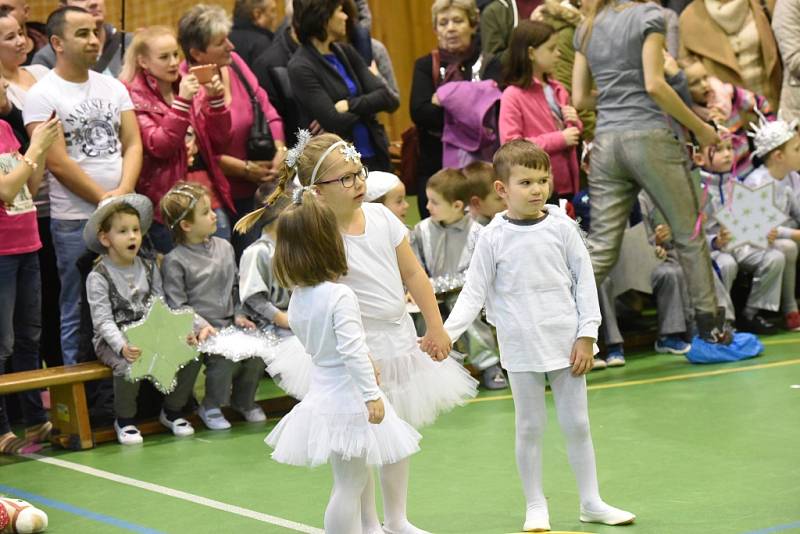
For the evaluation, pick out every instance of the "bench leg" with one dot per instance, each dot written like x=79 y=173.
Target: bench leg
x=70 y=417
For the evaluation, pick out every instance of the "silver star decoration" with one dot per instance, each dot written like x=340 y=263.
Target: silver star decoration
x=350 y=153
x=751 y=216
x=303 y=137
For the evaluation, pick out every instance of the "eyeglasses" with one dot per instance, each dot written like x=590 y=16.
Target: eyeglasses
x=348 y=180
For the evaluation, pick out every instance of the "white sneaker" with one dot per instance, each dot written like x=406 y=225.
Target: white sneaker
x=128 y=435
x=213 y=418
x=607 y=516
x=180 y=427
x=536 y=520
x=598 y=364
x=253 y=415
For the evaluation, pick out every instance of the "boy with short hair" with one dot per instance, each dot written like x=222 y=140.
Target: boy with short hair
x=484 y=202
x=443 y=244
x=532 y=271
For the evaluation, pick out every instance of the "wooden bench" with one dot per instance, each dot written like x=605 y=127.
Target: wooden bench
x=69 y=411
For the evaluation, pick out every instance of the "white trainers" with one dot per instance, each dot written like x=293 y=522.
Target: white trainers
x=253 y=415
x=213 y=418
x=536 y=520
x=128 y=435
x=598 y=364
x=180 y=427
x=607 y=516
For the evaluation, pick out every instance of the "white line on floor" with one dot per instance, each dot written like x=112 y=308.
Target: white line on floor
x=163 y=490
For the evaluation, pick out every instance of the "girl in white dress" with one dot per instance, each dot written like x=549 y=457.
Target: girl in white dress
x=343 y=419
x=380 y=263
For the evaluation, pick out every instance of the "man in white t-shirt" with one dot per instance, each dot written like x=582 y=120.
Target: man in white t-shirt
x=99 y=155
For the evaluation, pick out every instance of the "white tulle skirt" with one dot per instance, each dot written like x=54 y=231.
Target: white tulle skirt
x=333 y=419
x=419 y=388
x=290 y=367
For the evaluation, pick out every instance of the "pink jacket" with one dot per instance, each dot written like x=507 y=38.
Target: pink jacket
x=525 y=114
x=163 y=130
x=242 y=119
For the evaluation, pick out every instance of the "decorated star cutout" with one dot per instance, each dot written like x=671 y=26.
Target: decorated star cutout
x=161 y=336
x=751 y=216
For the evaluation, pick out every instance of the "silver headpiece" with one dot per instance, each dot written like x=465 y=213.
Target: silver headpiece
x=345 y=149
x=297 y=195
x=303 y=137
x=769 y=135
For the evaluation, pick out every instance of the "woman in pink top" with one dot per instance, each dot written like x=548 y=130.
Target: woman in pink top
x=536 y=107
x=203 y=36
x=20 y=285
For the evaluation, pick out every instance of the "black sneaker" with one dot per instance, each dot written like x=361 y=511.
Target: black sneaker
x=758 y=325
x=712 y=328
x=493 y=378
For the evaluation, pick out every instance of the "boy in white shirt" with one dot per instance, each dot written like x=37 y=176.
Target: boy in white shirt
x=532 y=270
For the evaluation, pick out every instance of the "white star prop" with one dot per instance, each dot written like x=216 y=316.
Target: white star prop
x=751 y=216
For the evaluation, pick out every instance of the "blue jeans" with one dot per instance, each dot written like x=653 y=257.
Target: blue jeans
x=20 y=329
x=161 y=237
x=69 y=246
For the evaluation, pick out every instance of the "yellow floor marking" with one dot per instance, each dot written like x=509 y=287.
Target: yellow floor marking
x=671 y=378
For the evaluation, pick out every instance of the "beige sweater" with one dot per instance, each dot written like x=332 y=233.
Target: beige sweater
x=736 y=19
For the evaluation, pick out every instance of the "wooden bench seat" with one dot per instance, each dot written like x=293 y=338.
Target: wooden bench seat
x=69 y=411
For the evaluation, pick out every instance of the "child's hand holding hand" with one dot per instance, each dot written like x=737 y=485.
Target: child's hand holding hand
x=131 y=353
x=436 y=343
x=572 y=136
x=376 y=412
x=663 y=234
x=243 y=322
x=569 y=113
x=661 y=252
x=205 y=332
x=582 y=357
x=772 y=236
x=281 y=319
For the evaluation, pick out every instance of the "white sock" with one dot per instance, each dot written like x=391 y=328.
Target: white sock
x=394 y=483
x=572 y=408
x=531 y=418
x=343 y=514
x=369 y=514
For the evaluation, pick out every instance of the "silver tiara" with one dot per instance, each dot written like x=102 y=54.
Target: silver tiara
x=303 y=137
x=769 y=135
x=297 y=194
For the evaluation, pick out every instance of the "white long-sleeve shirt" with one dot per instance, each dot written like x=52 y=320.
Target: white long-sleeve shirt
x=538 y=287
x=327 y=321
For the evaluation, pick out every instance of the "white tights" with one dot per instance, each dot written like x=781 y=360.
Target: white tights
x=350 y=477
x=569 y=393
x=394 y=485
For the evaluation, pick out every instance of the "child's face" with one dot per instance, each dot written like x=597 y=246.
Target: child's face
x=395 y=200
x=791 y=154
x=545 y=56
x=331 y=186
x=123 y=239
x=720 y=157
x=490 y=206
x=526 y=192
x=204 y=223
x=443 y=211
x=697 y=77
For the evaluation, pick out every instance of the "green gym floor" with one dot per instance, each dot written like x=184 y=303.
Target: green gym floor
x=689 y=449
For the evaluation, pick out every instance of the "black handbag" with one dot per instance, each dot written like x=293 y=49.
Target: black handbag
x=260 y=144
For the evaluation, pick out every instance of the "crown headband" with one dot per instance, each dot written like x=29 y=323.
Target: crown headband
x=184 y=191
x=769 y=135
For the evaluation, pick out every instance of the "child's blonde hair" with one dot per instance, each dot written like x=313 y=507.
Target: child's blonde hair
x=451 y=184
x=303 y=169
x=179 y=204
x=309 y=248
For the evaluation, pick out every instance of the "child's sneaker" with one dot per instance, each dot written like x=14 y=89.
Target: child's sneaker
x=128 y=434
x=607 y=515
x=536 y=520
x=493 y=378
x=253 y=415
x=180 y=427
x=793 y=321
x=615 y=356
x=672 y=345
x=598 y=364
x=213 y=418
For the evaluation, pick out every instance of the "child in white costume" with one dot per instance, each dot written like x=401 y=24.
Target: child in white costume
x=532 y=270
x=343 y=418
x=379 y=263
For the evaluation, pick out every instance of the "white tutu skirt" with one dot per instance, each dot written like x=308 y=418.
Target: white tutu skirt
x=419 y=388
x=333 y=419
x=290 y=367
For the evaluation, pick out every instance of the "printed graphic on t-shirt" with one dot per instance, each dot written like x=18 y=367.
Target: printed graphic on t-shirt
x=23 y=202
x=93 y=128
